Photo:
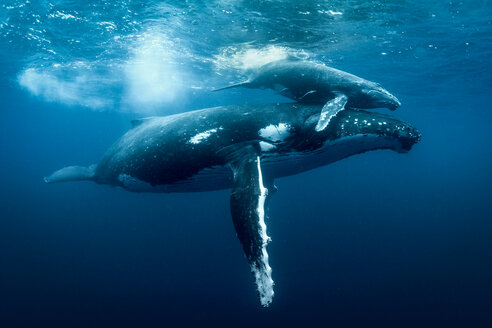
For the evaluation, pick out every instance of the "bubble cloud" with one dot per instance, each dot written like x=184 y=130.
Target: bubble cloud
x=77 y=90
x=152 y=77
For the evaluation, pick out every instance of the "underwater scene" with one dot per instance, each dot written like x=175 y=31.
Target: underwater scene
x=233 y=163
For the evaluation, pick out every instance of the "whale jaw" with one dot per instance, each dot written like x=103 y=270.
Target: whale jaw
x=380 y=98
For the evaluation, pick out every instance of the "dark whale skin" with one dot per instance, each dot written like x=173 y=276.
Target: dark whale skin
x=173 y=149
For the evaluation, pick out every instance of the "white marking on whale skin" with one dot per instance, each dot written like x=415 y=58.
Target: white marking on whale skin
x=275 y=132
x=201 y=136
x=265 y=146
x=263 y=277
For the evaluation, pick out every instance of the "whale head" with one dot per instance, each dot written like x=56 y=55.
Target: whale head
x=373 y=95
x=369 y=130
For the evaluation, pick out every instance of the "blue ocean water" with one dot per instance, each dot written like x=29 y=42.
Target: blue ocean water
x=376 y=240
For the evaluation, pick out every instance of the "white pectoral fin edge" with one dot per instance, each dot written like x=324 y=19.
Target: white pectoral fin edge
x=263 y=273
x=330 y=110
x=248 y=213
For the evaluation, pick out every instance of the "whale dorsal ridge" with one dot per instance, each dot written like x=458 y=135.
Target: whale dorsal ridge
x=139 y=121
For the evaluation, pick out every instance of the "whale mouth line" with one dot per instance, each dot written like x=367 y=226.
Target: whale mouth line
x=362 y=123
x=384 y=99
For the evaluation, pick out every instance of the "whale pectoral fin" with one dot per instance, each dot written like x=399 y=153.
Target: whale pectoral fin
x=248 y=214
x=330 y=110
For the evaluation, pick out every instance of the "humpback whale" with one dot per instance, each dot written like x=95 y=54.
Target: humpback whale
x=243 y=147
x=311 y=82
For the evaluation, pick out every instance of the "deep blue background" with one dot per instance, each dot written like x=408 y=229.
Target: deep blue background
x=376 y=240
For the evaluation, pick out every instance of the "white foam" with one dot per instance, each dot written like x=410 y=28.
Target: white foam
x=63 y=15
x=335 y=13
x=248 y=58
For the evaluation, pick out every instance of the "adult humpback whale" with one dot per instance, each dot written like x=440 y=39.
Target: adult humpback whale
x=243 y=147
x=315 y=83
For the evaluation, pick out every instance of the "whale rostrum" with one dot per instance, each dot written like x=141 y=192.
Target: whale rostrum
x=243 y=147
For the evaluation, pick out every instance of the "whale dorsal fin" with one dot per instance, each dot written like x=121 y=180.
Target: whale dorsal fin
x=329 y=110
x=248 y=214
x=139 y=121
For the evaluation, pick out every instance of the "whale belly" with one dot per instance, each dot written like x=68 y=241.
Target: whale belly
x=274 y=165
x=208 y=179
x=293 y=163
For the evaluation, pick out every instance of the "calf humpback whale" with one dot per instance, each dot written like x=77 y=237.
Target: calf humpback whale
x=311 y=82
x=243 y=147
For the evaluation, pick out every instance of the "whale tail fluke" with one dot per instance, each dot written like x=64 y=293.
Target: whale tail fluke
x=245 y=84
x=72 y=173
